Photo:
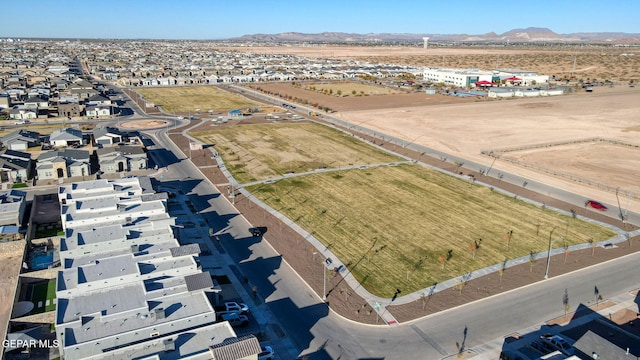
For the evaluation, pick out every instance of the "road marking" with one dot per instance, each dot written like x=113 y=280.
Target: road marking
x=429 y=340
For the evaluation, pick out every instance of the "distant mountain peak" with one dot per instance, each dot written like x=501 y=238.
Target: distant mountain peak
x=532 y=30
x=529 y=35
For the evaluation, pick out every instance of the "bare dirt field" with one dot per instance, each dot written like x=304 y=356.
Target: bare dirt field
x=369 y=102
x=465 y=127
x=143 y=124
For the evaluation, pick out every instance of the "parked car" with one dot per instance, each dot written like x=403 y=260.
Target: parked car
x=21 y=122
x=596 y=205
x=258 y=231
x=266 y=353
x=559 y=343
x=235 y=319
x=240 y=308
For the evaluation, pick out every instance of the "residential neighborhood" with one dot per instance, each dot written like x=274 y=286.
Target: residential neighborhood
x=130 y=249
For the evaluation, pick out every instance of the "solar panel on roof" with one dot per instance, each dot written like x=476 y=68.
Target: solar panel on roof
x=184 y=250
x=198 y=281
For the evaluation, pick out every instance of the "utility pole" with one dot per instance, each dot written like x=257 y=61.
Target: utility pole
x=546 y=273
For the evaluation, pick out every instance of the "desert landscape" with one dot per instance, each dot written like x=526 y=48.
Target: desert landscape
x=595 y=62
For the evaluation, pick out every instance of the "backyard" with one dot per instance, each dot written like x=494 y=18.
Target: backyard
x=43 y=296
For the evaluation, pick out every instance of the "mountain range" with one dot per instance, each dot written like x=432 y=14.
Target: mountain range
x=528 y=35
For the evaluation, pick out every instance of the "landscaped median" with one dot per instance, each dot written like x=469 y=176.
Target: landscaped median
x=395 y=227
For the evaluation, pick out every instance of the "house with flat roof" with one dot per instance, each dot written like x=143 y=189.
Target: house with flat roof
x=127 y=288
x=12 y=207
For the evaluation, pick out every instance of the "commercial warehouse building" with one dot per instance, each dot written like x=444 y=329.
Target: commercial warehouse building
x=468 y=77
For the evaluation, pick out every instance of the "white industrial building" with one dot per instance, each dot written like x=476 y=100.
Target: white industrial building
x=468 y=77
x=457 y=77
x=127 y=288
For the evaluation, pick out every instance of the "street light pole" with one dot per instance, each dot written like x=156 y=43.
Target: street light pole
x=546 y=273
x=324 y=282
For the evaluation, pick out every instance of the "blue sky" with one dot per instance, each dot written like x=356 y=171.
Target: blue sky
x=223 y=19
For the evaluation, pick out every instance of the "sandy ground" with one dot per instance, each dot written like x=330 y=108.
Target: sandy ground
x=466 y=129
x=11 y=254
x=143 y=124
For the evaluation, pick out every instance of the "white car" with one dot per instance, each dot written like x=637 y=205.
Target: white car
x=266 y=353
x=235 y=320
x=240 y=308
x=21 y=122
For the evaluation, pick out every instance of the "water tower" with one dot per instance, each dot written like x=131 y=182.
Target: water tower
x=426 y=42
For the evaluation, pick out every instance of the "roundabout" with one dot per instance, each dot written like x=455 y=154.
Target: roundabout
x=145 y=124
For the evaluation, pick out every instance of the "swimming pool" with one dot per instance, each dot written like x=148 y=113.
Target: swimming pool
x=42 y=261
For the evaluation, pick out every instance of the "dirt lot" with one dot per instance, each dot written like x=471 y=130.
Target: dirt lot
x=465 y=127
x=11 y=254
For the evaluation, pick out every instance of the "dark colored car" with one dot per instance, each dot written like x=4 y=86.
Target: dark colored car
x=258 y=231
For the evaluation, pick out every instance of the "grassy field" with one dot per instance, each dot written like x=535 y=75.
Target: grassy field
x=190 y=99
x=262 y=151
x=42 y=292
x=349 y=89
x=395 y=225
x=392 y=225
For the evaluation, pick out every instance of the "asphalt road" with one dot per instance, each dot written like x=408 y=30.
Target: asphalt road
x=321 y=334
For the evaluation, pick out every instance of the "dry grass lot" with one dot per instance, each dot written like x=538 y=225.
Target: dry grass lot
x=390 y=224
x=190 y=99
x=348 y=89
x=262 y=151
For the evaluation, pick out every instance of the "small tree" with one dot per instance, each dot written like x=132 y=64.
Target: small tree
x=443 y=261
x=474 y=246
x=507 y=237
x=339 y=92
x=502 y=268
x=565 y=301
x=566 y=253
x=532 y=260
